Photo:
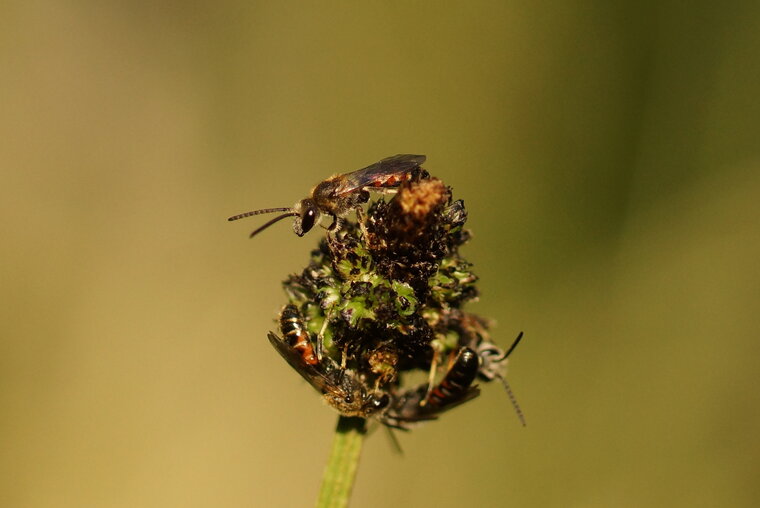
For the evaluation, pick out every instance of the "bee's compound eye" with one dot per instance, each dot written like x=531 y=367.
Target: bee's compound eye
x=380 y=402
x=307 y=215
x=308 y=218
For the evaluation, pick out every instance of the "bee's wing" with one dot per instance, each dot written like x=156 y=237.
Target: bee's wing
x=380 y=173
x=454 y=389
x=310 y=373
x=407 y=411
x=429 y=411
x=471 y=393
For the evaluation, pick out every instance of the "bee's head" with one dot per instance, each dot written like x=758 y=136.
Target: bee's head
x=353 y=399
x=377 y=403
x=307 y=215
x=372 y=403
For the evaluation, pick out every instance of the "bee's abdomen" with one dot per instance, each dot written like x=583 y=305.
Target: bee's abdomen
x=393 y=180
x=457 y=380
x=295 y=333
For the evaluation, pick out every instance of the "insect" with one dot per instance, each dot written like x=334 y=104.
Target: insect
x=419 y=404
x=295 y=334
x=344 y=389
x=493 y=364
x=340 y=194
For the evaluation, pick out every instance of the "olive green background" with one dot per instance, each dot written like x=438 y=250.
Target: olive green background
x=609 y=157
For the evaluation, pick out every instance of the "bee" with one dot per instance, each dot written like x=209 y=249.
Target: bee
x=420 y=404
x=340 y=194
x=493 y=365
x=295 y=334
x=343 y=389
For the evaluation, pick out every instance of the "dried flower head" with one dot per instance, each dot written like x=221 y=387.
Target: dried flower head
x=384 y=297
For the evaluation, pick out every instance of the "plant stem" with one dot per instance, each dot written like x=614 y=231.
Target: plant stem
x=341 y=466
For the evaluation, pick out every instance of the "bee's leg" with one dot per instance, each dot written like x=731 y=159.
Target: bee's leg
x=419 y=174
x=336 y=224
x=394 y=441
x=320 y=341
x=431 y=377
x=360 y=220
x=321 y=335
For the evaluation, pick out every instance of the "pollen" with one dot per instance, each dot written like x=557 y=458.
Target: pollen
x=422 y=198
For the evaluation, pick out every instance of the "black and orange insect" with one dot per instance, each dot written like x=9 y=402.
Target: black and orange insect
x=340 y=194
x=421 y=403
x=343 y=389
x=295 y=334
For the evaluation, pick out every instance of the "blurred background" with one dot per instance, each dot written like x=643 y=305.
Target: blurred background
x=608 y=155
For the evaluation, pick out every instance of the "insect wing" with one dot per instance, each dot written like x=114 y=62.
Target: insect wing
x=310 y=373
x=455 y=388
x=472 y=392
x=406 y=411
x=389 y=172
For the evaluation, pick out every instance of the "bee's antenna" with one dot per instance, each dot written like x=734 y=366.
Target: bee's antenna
x=512 y=399
x=511 y=348
x=259 y=212
x=511 y=395
x=278 y=218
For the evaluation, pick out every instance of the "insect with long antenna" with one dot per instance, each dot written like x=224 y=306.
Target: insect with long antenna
x=422 y=403
x=340 y=194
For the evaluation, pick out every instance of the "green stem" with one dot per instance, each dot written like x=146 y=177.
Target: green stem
x=341 y=466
